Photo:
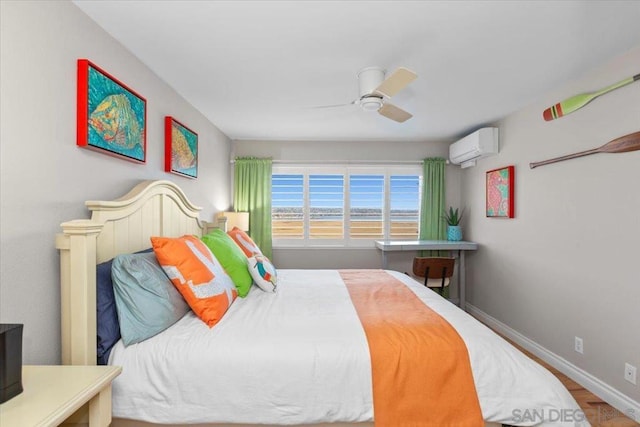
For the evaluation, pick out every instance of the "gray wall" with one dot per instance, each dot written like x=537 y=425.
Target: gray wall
x=567 y=265
x=350 y=151
x=45 y=177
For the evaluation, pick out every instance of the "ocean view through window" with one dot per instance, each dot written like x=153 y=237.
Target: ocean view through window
x=344 y=205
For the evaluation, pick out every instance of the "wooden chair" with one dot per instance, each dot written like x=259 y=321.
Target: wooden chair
x=436 y=271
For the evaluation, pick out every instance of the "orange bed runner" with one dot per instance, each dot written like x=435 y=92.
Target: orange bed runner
x=421 y=373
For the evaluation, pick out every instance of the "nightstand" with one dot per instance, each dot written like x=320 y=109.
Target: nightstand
x=54 y=393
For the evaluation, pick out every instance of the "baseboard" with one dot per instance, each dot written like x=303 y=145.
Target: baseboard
x=613 y=397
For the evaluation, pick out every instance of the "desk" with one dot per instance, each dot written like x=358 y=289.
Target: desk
x=53 y=393
x=436 y=245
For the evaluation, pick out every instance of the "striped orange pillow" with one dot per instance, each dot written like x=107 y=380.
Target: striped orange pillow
x=197 y=275
x=245 y=242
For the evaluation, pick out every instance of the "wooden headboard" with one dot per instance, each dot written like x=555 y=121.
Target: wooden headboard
x=124 y=225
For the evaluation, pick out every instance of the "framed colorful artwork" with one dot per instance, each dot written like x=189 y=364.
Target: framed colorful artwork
x=181 y=149
x=112 y=118
x=500 y=184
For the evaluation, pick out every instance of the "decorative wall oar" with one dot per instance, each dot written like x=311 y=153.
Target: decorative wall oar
x=578 y=101
x=623 y=144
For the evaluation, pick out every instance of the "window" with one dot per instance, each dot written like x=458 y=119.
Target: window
x=404 y=201
x=326 y=206
x=344 y=205
x=287 y=203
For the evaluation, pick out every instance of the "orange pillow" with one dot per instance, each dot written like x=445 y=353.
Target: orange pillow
x=245 y=242
x=197 y=275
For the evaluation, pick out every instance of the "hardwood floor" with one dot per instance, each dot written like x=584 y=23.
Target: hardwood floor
x=598 y=412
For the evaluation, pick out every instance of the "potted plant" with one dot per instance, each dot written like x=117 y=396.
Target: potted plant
x=453 y=218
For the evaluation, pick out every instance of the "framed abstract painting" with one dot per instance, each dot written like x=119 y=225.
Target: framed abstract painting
x=181 y=149
x=112 y=118
x=500 y=192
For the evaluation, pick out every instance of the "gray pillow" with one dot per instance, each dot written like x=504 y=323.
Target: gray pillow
x=146 y=300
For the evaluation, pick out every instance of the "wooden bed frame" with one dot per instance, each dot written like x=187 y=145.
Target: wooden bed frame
x=124 y=225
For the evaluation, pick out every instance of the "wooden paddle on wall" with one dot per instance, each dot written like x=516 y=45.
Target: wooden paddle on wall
x=623 y=144
x=576 y=102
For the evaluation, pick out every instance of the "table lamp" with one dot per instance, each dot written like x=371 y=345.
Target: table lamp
x=236 y=219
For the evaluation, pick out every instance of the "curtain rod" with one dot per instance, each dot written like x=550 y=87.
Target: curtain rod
x=347 y=162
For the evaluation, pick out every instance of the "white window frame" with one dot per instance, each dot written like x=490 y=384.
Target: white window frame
x=345 y=170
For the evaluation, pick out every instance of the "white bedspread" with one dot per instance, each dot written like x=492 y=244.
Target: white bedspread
x=300 y=356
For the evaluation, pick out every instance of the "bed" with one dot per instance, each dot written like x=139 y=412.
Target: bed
x=298 y=356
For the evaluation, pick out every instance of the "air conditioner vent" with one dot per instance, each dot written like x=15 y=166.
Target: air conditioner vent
x=482 y=143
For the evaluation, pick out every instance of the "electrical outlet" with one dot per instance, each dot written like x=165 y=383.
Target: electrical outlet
x=630 y=373
x=579 y=345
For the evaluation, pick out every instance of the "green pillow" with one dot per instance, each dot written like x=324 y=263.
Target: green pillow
x=231 y=258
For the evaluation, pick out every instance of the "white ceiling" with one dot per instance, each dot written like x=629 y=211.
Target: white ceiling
x=255 y=67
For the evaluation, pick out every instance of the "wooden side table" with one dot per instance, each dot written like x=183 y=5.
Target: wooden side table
x=54 y=393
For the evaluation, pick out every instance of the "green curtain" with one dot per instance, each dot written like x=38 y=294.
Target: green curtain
x=252 y=193
x=432 y=225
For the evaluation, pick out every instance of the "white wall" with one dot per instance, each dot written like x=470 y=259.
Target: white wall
x=567 y=265
x=350 y=151
x=45 y=177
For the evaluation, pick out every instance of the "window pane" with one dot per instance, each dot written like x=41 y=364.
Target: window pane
x=405 y=206
x=366 y=194
x=287 y=202
x=326 y=206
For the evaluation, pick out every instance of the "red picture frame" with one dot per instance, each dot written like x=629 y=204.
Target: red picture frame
x=500 y=192
x=111 y=117
x=181 y=149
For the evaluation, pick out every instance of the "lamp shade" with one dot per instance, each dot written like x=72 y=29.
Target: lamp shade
x=237 y=219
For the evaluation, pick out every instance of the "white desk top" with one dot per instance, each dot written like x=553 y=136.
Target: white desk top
x=53 y=393
x=418 y=245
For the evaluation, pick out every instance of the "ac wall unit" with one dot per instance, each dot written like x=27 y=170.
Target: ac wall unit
x=482 y=143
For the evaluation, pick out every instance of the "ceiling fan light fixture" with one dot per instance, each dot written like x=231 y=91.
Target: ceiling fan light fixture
x=369 y=79
x=371 y=103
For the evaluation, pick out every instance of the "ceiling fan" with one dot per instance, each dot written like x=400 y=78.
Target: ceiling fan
x=375 y=90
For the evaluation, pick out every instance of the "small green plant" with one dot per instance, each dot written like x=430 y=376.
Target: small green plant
x=452 y=217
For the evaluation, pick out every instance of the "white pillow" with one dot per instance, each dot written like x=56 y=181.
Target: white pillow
x=263 y=273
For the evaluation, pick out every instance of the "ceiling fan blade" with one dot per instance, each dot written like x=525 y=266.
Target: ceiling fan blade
x=397 y=81
x=392 y=112
x=333 y=106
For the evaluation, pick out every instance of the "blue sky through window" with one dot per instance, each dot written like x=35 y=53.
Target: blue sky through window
x=287 y=191
x=328 y=191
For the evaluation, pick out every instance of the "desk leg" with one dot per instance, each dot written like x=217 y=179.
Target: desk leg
x=462 y=281
x=100 y=408
x=384 y=260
